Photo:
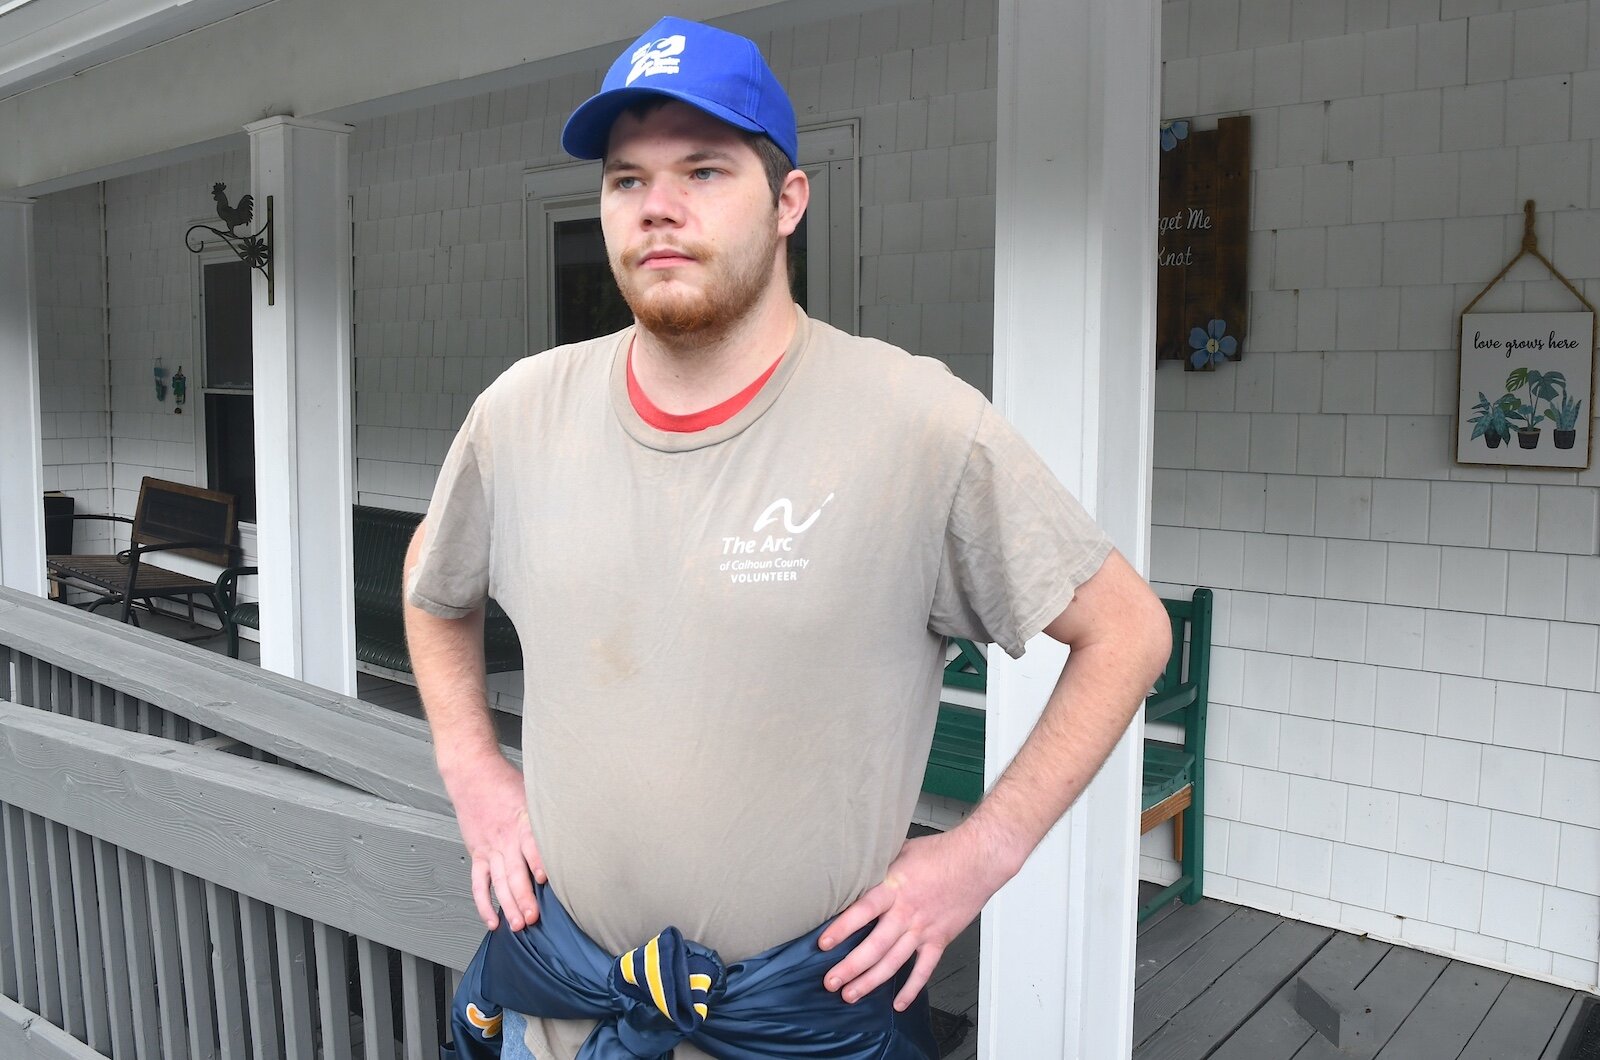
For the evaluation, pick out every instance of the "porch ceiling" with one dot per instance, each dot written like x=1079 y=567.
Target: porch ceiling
x=47 y=40
x=155 y=97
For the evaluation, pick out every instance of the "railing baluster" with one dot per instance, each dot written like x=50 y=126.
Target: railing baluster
x=194 y=946
x=150 y=719
x=8 y=659
x=25 y=686
x=91 y=942
x=82 y=691
x=420 y=1003
x=127 y=712
x=169 y=962
x=69 y=970
x=377 y=1001
x=99 y=702
x=117 y=971
x=333 y=990
x=41 y=682
x=141 y=953
x=61 y=700
x=260 y=985
x=21 y=887
x=8 y=926
x=44 y=924
x=8 y=970
x=294 y=983
x=227 y=965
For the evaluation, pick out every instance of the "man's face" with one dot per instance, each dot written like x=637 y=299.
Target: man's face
x=690 y=226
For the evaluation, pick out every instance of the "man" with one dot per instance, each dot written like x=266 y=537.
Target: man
x=733 y=540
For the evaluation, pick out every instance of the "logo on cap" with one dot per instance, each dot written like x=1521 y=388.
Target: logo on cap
x=657 y=57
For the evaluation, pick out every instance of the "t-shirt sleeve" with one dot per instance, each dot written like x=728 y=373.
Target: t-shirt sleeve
x=1016 y=546
x=451 y=576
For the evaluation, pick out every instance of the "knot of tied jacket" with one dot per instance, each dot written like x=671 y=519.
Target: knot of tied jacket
x=664 y=991
x=671 y=991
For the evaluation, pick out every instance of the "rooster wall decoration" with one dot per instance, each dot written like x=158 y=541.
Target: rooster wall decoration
x=253 y=248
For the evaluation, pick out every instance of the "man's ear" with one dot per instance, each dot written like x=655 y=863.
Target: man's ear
x=792 y=200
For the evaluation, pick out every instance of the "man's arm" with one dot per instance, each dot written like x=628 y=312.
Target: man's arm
x=486 y=790
x=1120 y=637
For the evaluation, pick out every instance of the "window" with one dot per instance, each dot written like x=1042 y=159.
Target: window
x=228 y=381
x=585 y=299
x=572 y=296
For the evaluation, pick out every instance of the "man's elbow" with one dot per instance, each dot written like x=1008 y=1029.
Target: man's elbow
x=1152 y=634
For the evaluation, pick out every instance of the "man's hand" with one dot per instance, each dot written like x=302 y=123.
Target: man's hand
x=1120 y=637
x=492 y=810
x=930 y=893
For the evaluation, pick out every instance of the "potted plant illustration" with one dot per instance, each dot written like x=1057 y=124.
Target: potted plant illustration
x=1542 y=386
x=1490 y=422
x=1566 y=420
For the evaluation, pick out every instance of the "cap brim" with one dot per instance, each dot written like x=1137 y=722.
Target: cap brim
x=588 y=130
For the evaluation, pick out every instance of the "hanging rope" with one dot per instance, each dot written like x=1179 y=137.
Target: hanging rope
x=1530 y=245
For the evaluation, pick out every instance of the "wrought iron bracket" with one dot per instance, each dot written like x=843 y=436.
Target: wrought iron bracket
x=254 y=249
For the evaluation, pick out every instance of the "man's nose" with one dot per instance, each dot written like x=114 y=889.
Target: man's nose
x=662 y=205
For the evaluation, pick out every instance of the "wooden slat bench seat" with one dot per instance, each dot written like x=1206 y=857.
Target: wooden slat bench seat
x=1174 y=773
x=170 y=517
x=380 y=537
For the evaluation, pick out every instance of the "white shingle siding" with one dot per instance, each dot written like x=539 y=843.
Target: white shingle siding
x=1429 y=772
x=72 y=391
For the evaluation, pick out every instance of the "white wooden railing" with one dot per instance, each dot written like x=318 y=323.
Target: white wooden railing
x=203 y=859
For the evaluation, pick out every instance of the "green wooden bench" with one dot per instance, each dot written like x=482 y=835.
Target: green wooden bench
x=1174 y=773
x=955 y=763
x=380 y=537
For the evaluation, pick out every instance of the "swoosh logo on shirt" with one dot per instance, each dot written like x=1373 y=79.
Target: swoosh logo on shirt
x=786 y=507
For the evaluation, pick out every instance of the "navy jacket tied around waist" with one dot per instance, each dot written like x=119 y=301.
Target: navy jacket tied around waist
x=673 y=990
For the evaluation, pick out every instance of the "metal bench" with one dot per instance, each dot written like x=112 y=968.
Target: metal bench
x=380 y=537
x=1174 y=773
x=170 y=517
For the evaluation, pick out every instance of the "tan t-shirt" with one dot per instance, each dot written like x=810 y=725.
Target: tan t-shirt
x=733 y=638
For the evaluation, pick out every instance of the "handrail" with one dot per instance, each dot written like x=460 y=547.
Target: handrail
x=294 y=886
x=287 y=838
x=367 y=747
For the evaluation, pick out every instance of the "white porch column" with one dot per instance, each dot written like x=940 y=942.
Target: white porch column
x=21 y=426
x=305 y=479
x=1074 y=353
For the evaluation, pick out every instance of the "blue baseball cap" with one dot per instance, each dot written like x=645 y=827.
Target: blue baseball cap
x=719 y=72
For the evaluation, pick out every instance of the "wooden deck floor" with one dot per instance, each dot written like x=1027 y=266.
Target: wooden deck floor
x=1217 y=981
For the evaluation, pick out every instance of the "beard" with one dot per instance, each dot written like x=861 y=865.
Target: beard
x=734 y=282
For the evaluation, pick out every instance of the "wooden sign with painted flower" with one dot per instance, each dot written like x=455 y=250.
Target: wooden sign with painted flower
x=1203 y=238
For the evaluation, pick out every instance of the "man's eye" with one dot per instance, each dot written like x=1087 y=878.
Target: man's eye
x=704 y=174
x=626 y=183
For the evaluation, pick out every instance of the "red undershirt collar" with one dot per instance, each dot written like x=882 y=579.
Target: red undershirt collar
x=690 y=422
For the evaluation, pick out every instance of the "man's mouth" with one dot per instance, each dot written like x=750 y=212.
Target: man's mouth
x=664 y=258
